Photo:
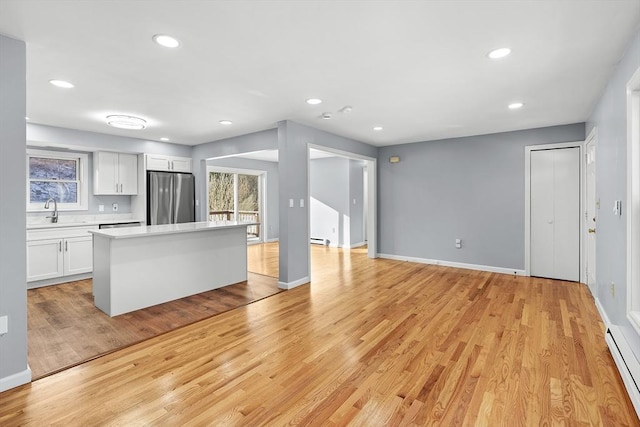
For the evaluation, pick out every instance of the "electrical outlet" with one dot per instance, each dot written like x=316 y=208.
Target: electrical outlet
x=458 y=243
x=115 y=207
x=613 y=289
x=100 y=208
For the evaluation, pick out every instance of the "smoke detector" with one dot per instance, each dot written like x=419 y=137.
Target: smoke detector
x=326 y=116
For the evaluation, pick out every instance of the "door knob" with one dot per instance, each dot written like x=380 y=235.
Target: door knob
x=592 y=230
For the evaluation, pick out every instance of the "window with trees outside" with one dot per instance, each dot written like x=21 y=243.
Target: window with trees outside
x=235 y=196
x=58 y=176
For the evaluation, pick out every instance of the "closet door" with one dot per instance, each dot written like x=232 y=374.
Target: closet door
x=555 y=213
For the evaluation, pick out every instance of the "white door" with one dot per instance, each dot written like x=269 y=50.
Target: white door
x=555 y=213
x=591 y=203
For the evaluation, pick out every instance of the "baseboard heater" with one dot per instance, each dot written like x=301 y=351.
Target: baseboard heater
x=627 y=363
x=319 y=241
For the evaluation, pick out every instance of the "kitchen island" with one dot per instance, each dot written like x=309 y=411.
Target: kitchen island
x=138 y=267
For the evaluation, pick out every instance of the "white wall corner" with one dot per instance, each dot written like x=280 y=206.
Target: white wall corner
x=294 y=284
x=15 y=380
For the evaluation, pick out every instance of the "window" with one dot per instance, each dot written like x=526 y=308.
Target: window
x=56 y=175
x=236 y=195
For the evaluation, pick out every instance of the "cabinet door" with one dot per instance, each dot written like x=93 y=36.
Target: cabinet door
x=128 y=174
x=44 y=259
x=78 y=255
x=105 y=177
x=180 y=164
x=158 y=163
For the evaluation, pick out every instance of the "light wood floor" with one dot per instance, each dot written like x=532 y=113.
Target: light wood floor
x=263 y=259
x=370 y=343
x=65 y=327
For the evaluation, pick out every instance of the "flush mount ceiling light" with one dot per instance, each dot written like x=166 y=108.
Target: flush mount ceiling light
x=314 y=101
x=61 y=83
x=377 y=128
x=499 y=53
x=225 y=122
x=516 y=105
x=126 y=122
x=166 y=41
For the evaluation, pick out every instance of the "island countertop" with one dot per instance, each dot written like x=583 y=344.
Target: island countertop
x=157 y=230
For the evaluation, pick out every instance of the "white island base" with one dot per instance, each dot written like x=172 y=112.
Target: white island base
x=138 y=267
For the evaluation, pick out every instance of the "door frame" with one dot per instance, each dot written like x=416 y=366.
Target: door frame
x=527 y=202
x=591 y=138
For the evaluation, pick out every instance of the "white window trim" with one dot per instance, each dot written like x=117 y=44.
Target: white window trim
x=633 y=201
x=83 y=175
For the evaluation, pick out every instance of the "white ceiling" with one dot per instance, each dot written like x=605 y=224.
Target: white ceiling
x=417 y=68
x=272 y=155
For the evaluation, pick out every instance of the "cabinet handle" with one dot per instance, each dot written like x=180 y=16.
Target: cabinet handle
x=121 y=190
x=168 y=165
x=60 y=245
x=116 y=187
x=66 y=246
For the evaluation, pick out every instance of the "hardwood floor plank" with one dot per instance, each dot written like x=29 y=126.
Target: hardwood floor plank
x=369 y=342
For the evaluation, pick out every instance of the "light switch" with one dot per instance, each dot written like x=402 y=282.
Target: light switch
x=291 y=203
x=302 y=203
x=100 y=208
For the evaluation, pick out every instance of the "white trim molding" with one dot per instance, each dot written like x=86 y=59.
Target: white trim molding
x=15 y=380
x=294 y=284
x=488 y=268
x=633 y=201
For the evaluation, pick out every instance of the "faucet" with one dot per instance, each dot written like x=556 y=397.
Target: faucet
x=54 y=217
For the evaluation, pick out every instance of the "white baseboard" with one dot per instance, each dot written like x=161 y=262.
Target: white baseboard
x=15 y=380
x=272 y=240
x=488 y=268
x=58 y=280
x=603 y=314
x=626 y=362
x=295 y=283
x=355 y=245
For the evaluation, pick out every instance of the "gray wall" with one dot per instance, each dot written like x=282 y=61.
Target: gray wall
x=609 y=117
x=467 y=188
x=272 y=177
x=293 y=139
x=258 y=141
x=334 y=184
x=329 y=200
x=13 y=286
x=356 y=192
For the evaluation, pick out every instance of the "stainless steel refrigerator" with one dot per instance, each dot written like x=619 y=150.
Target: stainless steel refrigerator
x=170 y=198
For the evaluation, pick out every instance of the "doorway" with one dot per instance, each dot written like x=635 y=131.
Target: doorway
x=552 y=211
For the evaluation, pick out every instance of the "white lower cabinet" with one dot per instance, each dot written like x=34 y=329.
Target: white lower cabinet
x=58 y=253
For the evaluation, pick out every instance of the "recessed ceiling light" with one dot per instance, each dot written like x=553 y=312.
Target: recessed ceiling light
x=61 y=83
x=314 y=101
x=166 y=41
x=326 y=116
x=27 y=118
x=377 y=128
x=346 y=109
x=226 y=122
x=165 y=139
x=516 y=105
x=499 y=53
x=126 y=122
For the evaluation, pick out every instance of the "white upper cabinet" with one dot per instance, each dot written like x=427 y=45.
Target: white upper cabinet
x=158 y=162
x=115 y=173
